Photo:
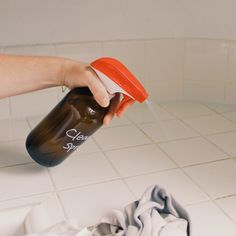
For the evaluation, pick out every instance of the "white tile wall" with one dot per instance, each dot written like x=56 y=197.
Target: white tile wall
x=171 y=69
x=5 y=108
x=131 y=53
x=111 y=20
x=81 y=51
x=230 y=93
x=232 y=62
x=206 y=59
x=164 y=68
x=206 y=91
x=37 y=50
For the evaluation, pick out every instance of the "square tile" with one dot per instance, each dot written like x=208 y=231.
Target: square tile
x=13 y=152
x=225 y=141
x=89 y=204
x=228 y=205
x=80 y=51
x=210 y=124
x=167 y=130
x=186 y=109
x=131 y=53
x=204 y=91
x=217 y=179
x=230 y=115
x=161 y=55
x=34 y=120
x=139 y=160
x=118 y=121
x=165 y=90
x=13 y=129
x=148 y=112
x=5 y=108
x=120 y=137
x=174 y=181
x=87 y=147
x=82 y=169
x=206 y=59
x=192 y=151
x=34 y=103
x=221 y=107
x=212 y=222
x=23 y=180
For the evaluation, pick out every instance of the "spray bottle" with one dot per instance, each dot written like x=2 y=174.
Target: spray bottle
x=77 y=116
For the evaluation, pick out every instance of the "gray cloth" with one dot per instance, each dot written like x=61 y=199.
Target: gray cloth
x=157 y=213
x=154 y=214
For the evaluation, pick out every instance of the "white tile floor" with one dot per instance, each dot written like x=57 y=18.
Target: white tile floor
x=188 y=148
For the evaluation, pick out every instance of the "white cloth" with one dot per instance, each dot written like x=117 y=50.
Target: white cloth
x=155 y=214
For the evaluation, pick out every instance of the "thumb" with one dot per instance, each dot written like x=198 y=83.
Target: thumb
x=97 y=88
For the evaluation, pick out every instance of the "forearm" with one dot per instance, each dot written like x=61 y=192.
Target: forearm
x=21 y=74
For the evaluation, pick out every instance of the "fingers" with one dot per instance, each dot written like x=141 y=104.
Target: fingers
x=112 y=109
x=97 y=88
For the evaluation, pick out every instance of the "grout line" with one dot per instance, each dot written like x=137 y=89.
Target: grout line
x=213 y=200
x=26 y=196
x=202 y=136
x=184 y=68
x=27 y=121
x=10 y=107
x=151 y=172
x=114 y=168
x=227 y=68
x=111 y=40
x=75 y=187
x=194 y=181
x=227 y=196
x=208 y=105
x=57 y=194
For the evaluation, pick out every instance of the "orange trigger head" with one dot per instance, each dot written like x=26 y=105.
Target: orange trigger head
x=124 y=103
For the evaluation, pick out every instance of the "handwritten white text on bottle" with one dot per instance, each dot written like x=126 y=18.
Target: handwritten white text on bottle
x=74 y=135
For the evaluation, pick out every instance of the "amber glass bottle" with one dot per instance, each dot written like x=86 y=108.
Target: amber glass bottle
x=76 y=117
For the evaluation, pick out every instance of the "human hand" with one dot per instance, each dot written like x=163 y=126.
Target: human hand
x=79 y=74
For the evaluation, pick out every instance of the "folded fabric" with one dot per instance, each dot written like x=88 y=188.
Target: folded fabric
x=156 y=213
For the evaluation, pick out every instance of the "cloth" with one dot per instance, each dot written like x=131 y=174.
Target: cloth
x=156 y=213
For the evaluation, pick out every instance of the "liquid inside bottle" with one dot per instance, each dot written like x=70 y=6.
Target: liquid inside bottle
x=76 y=117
